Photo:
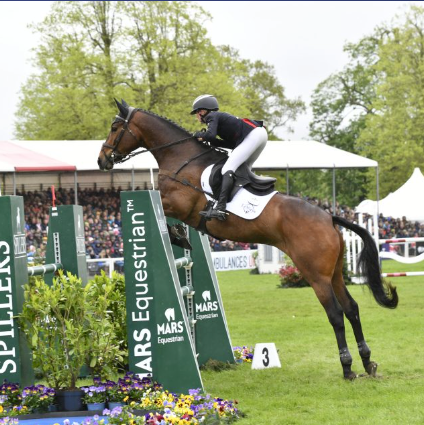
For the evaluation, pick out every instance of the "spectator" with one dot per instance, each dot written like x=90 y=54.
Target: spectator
x=103 y=222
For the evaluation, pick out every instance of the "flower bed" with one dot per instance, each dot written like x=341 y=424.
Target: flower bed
x=243 y=354
x=148 y=403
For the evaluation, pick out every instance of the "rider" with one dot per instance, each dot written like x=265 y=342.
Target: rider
x=246 y=137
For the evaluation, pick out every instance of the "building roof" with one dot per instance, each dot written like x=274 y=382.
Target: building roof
x=81 y=155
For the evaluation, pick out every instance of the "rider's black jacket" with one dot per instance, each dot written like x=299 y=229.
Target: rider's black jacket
x=231 y=130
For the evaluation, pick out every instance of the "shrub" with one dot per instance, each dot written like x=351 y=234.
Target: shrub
x=54 y=321
x=290 y=276
x=107 y=328
x=68 y=325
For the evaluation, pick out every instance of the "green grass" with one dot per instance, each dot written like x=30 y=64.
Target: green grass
x=309 y=388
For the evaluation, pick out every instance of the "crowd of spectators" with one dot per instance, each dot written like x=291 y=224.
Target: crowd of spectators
x=101 y=216
x=102 y=221
x=218 y=245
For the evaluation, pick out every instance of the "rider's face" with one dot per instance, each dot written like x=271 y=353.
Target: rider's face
x=200 y=114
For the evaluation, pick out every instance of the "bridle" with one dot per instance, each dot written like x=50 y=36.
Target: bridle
x=116 y=157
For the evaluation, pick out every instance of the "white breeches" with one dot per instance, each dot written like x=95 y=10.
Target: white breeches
x=247 y=151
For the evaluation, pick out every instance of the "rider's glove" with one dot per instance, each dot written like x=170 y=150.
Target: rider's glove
x=199 y=134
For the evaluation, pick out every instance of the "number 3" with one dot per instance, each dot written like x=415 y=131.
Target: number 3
x=265 y=361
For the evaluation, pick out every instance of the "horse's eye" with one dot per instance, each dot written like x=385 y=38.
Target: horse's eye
x=113 y=129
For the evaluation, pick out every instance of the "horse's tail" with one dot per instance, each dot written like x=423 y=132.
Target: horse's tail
x=384 y=293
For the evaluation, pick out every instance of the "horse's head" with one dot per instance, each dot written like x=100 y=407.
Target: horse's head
x=122 y=139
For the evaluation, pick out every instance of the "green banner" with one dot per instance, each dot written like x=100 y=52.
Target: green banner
x=66 y=241
x=15 y=361
x=159 y=340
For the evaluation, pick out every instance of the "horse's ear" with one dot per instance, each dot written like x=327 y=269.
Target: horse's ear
x=123 y=110
x=125 y=103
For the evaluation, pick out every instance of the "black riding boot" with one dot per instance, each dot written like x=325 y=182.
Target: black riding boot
x=226 y=188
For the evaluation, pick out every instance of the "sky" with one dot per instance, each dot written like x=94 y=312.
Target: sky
x=303 y=40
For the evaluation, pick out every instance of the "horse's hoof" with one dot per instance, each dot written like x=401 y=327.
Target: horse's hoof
x=179 y=231
x=350 y=376
x=372 y=369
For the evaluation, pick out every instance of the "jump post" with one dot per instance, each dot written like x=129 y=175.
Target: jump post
x=65 y=250
x=169 y=335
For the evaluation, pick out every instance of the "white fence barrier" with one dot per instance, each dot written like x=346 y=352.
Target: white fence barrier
x=222 y=261
x=354 y=246
x=234 y=260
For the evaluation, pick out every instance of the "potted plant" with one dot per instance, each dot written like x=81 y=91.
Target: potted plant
x=38 y=398
x=10 y=395
x=117 y=394
x=54 y=321
x=10 y=402
x=95 y=397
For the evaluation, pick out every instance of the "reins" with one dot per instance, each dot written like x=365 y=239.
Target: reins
x=117 y=158
x=167 y=145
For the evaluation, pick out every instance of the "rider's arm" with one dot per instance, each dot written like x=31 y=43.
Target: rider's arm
x=210 y=134
x=218 y=143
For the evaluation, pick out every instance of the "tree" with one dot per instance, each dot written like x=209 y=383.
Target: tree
x=154 y=54
x=76 y=75
x=394 y=134
x=374 y=107
x=339 y=106
x=263 y=94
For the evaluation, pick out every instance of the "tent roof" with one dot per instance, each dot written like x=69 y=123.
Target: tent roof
x=69 y=155
x=308 y=154
x=406 y=201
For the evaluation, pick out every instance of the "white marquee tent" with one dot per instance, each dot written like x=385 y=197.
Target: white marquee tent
x=406 y=201
x=76 y=161
x=50 y=155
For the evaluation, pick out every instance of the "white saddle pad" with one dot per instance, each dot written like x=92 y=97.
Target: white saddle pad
x=244 y=204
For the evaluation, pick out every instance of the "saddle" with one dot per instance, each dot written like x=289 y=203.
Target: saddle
x=244 y=178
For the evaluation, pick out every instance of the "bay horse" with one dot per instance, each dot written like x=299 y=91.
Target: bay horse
x=306 y=233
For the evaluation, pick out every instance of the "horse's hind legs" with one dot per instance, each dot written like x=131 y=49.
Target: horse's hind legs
x=335 y=316
x=352 y=313
x=365 y=353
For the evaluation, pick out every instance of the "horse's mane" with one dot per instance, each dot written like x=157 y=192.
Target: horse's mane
x=124 y=110
x=165 y=119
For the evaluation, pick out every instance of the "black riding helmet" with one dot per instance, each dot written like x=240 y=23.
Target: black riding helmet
x=205 y=101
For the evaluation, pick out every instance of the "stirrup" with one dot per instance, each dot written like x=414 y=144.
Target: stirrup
x=214 y=213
